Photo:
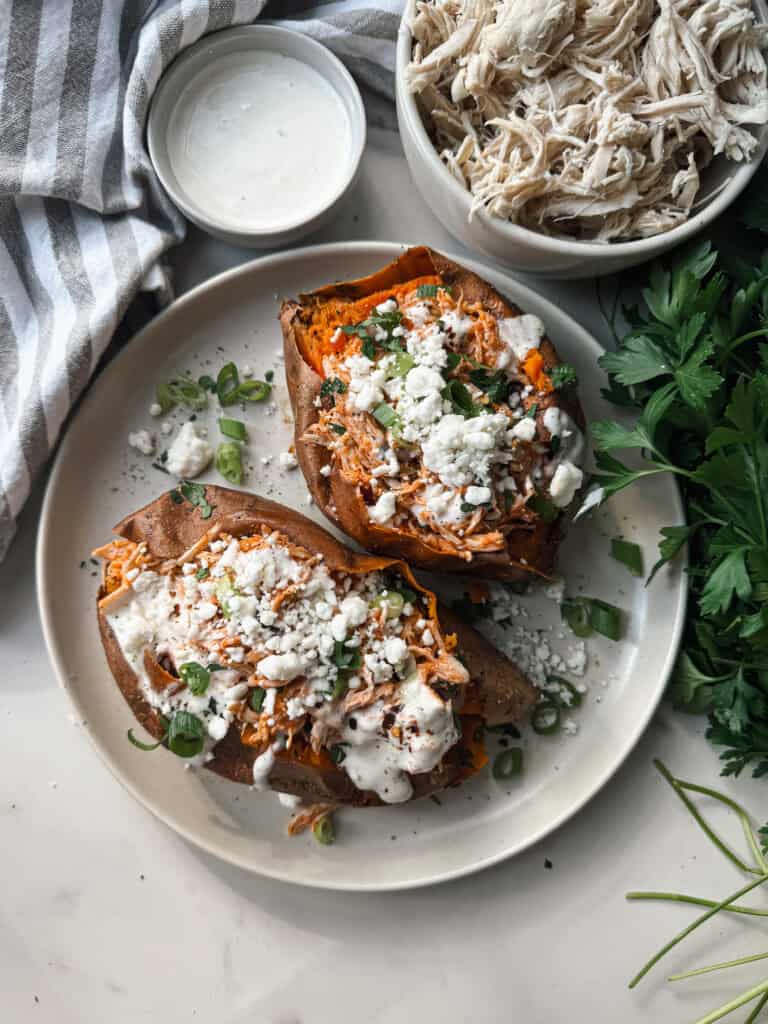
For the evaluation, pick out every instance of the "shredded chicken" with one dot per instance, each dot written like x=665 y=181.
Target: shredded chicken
x=588 y=118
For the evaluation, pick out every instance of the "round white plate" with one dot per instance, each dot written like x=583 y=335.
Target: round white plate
x=97 y=479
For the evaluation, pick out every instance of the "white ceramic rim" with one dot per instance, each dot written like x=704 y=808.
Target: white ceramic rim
x=44 y=582
x=261 y=37
x=742 y=175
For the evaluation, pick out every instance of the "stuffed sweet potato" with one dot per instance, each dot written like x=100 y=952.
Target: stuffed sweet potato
x=434 y=421
x=245 y=637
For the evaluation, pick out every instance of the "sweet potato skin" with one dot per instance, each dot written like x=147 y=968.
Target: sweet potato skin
x=169 y=529
x=531 y=549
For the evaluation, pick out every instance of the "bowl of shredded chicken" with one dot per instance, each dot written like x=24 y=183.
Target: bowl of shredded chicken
x=608 y=125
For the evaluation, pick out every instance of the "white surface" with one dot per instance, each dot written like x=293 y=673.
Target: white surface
x=97 y=480
x=239 y=130
x=197 y=940
x=519 y=248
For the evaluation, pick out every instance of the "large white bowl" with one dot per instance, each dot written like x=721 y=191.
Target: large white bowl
x=521 y=249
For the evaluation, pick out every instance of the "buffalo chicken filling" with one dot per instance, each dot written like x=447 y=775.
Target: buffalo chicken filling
x=446 y=417
x=305 y=661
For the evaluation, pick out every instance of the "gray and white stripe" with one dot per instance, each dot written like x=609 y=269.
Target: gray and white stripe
x=83 y=220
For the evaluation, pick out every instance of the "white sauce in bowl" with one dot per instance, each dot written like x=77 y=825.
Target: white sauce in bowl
x=260 y=141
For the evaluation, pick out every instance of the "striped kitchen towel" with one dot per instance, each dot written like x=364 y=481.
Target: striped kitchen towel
x=83 y=220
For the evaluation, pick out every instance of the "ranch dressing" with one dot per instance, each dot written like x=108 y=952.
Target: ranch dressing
x=260 y=140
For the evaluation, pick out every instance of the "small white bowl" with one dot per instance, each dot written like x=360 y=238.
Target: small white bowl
x=200 y=58
x=520 y=248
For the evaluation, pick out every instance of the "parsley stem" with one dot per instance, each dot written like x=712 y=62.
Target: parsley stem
x=746 y=824
x=761 y=333
x=718 y=967
x=697 y=901
x=678 y=786
x=692 y=927
x=734 y=1004
x=756 y=1012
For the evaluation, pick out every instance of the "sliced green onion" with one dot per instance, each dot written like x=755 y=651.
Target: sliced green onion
x=340 y=687
x=227 y=384
x=229 y=462
x=233 y=428
x=508 y=763
x=629 y=554
x=545 y=718
x=256 y=699
x=337 y=753
x=575 y=611
x=203 y=573
x=392 y=601
x=323 y=831
x=403 y=362
x=144 y=746
x=545 y=509
x=253 y=391
x=165 y=399
x=605 y=618
x=185 y=391
x=385 y=415
x=574 y=696
x=195 y=676
x=429 y=291
x=531 y=413
x=224 y=590
x=185 y=734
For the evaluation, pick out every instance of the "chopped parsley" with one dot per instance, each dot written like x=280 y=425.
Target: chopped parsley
x=496 y=384
x=195 y=495
x=562 y=376
x=330 y=387
x=337 y=428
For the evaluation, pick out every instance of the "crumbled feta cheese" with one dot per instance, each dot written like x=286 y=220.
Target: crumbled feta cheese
x=287 y=460
x=384 y=508
x=189 y=454
x=477 y=495
x=155 y=409
x=142 y=441
x=524 y=429
x=565 y=483
x=283 y=667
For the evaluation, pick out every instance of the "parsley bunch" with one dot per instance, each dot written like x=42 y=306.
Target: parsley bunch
x=694 y=366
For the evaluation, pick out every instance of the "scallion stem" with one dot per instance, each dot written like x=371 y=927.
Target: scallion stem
x=718 y=967
x=694 y=925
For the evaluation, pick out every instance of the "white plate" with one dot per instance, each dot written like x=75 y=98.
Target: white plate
x=97 y=479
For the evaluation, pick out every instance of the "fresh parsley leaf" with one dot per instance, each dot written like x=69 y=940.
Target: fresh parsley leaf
x=195 y=495
x=727 y=581
x=640 y=359
x=460 y=398
x=368 y=348
x=675 y=538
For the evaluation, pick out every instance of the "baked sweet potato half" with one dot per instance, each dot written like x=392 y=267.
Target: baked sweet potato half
x=433 y=420
x=245 y=637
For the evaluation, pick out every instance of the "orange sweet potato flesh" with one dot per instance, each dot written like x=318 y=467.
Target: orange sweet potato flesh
x=308 y=324
x=499 y=692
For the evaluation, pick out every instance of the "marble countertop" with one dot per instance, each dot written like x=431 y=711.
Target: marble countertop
x=107 y=915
